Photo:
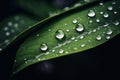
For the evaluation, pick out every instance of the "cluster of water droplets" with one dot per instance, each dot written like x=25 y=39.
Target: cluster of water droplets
x=103 y=32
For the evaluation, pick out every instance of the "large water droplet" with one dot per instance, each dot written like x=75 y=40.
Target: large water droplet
x=105 y=15
x=61 y=51
x=59 y=34
x=43 y=47
x=109 y=32
x=91 y=13
x=98 y=37
x=79 y=28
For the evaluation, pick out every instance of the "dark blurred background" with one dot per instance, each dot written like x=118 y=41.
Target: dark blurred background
x=100 y=63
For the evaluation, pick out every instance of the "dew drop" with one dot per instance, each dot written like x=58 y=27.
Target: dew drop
x=81 y=36
x=61 y=51
x=110 y=8
x=98 y=37
x=94 y=30
x=105 y=15
x=5 y=28
x=66 y=8
x=115 y=12
x=59 y=34
x=109 y=32
x=116 y=23
x=7 y=33
x=82 y=45
x=9 y=23
x=75 y=21
x=107 y=37
x=90 y=21
x=67 y=30
x=100 y=3
x=73 y=38
x=87 y=1
x=97 y=20
x=77 y=4
x=43 y=47
x=79 y=28
x=101 y=12
x=16 y=25
x=38 y=35
x=0 y=49
x=91 y=13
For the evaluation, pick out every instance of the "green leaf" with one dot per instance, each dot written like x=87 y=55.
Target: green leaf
x=12 y=27
x=74 y=31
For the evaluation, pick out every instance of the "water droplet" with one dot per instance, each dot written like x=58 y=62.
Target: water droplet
x=109 y=32
x=75 y=48
x=116 y=23
x=7 y=33
x=75 y=21
x=49 y=30
x=107 y=37
x=110 y=8
x=115 y=12
x=73 y=38
x=59 y=34
x=77 y=5
x=105 y=15
x=91 y=13
x=94 y=30
x=82 y=45
x=87 y=0
x=114 y=2
x=9 y=23
x=90 y=21
x=43 y=47
x=16 y=25
x=65 y=24
x=100 y=3
x=66 y=8
x=81 y=36
x=61 y=51
x=67 y=30
x=5 y=28
x=38 y=35
x=12 y=30
x=0 y=49
x=17 y=18
x=98 y=37
x=6 y=41
x=79 y=28
x=101 y=12
x=53 y=50
x=97 y=20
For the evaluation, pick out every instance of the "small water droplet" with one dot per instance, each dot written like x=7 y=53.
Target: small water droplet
x=9 y=23
x=12 y=30
x=97 y=20
x=7 y=33
x=109 y=32
x=38 y=35
x=65 y=24
x=75 y=21
x=110 y=8
x=61 y=51
x=115 y=12
x=67 y=30
x=105 y=15
x=59 y=34
x=79 y=28
x=90 y=21
x=5 y=28
x=53 y=50
x=91 y=13
x=43 y=47
x=17 y=18
x=66 y=8
x=16 y=25
x=49 y=30
x=114 y=2
x=82 y=45
x=75 y=48
x=100 y=3
x=87 y=1
x=77 y=5
x=6 y=41
x=98 y=37
x=0 y=49
x=94 y=30
x=101 y=12
x=73 y=38
x=81 y=36
x=107 y=37
x=116 y=23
